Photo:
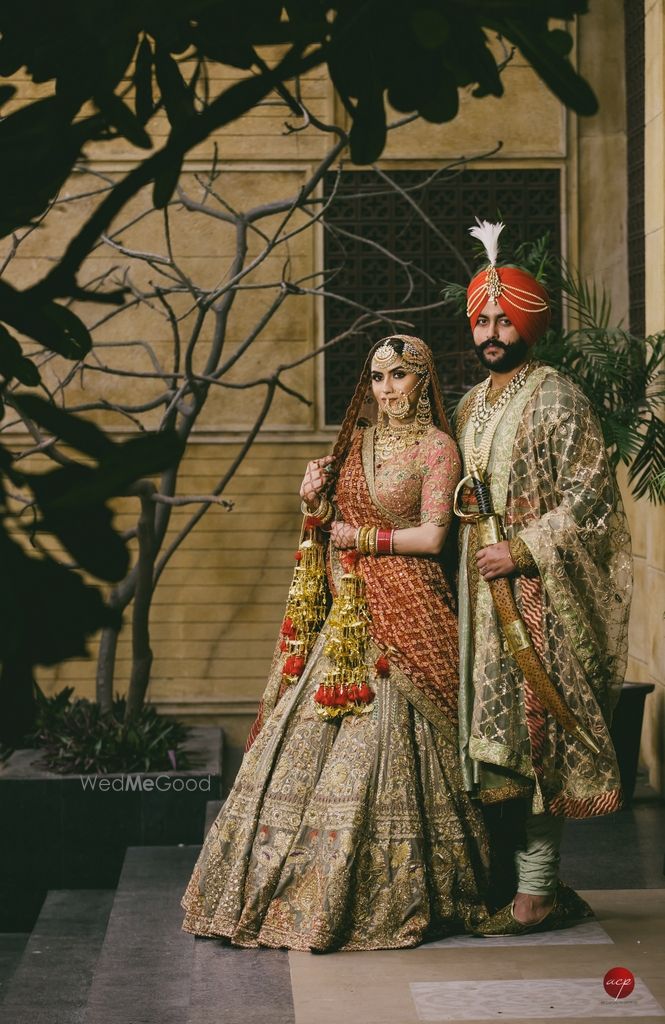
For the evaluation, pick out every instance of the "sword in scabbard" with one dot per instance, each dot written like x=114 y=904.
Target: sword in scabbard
x=512 y=624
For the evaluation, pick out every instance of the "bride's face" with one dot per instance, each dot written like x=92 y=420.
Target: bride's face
x=389 y=386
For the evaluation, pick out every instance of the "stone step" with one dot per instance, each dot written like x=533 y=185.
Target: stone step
x=51 y=982
x=12 y=945
x=240 y=986
x=143 y=974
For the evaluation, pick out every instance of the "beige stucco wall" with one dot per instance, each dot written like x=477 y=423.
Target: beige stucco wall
x=219 y=604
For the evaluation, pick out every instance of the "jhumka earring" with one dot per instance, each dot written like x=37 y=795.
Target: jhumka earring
x=424 y=408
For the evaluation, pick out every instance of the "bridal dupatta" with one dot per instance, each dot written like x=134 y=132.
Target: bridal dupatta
x=411 y=600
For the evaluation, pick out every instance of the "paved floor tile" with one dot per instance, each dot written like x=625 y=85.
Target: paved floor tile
x=585 y=933
x=560 y=975
x=535 y=999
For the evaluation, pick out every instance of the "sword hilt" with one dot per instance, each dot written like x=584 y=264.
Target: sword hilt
x=482 y=492
x=483 y=497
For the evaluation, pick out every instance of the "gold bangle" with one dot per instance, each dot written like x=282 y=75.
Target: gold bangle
x=324 y=511
x=328 y=515
x=307 y=511
x=366 y=537
x=371 y=540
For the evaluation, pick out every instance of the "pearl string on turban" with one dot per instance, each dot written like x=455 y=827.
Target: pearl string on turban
x=519 y=294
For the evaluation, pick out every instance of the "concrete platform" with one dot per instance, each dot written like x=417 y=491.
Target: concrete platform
x=550 y=976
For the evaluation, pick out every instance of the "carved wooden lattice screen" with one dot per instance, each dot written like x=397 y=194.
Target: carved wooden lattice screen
x=528 y=201
x=634 y=42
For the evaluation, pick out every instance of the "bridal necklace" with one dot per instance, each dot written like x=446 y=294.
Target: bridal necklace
x=486 y=418
x=391 y=438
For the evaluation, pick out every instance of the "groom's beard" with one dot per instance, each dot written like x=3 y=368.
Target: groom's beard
x=513 y=355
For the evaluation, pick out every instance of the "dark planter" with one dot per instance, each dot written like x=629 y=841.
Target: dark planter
x=71 y=831
x=626 y=732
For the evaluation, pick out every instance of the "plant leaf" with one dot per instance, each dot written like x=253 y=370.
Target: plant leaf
x=556 y=71
x=177 y=96
x=13 y=363
x=143 y=104
x=79 y=433
x=121 y=117
x=368 y=133
x=167 y=180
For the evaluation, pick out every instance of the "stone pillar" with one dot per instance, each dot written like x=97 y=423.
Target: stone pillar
x=602 y=256
x=601 y=150
x=648 y=656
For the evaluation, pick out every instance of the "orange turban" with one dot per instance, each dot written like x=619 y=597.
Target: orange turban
x=518 y=293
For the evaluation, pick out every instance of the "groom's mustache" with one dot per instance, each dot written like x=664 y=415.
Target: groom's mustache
x=492 y=343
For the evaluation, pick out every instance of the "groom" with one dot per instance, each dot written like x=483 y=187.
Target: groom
x=534 y=435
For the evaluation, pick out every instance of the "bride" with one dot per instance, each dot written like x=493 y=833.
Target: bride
x=348 y=826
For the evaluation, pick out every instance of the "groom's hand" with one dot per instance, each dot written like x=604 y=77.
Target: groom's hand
x=495 y=561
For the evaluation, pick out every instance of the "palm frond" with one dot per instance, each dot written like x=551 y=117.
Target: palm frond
x=588 y=304
x=537 y=257
x=455 y=295
x=646 y=473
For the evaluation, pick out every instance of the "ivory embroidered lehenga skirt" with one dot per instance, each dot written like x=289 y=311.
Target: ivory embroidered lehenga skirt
x=355 y=833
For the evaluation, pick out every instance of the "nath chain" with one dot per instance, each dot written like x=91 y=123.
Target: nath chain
x=486 y=418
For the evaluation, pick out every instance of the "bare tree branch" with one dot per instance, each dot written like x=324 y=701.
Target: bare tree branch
x=193 y=341
x=194 y=499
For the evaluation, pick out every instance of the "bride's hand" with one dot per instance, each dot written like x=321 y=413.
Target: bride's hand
x=343 y=535
x=315 y=480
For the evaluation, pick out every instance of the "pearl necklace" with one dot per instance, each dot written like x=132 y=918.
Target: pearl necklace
x=482 y=412
x=487 y=418
x=390 y=439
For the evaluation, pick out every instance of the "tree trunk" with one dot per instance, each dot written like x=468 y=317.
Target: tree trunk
x=108 y=645
x=141 y=650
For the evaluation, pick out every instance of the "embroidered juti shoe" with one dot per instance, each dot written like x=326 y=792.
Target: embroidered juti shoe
x=568 y=910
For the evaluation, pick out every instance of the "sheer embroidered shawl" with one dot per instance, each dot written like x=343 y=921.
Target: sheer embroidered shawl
x=551 y=482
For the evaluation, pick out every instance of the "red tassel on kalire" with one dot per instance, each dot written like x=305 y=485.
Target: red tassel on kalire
x=382 y=666
x=288 y=629
x=294 y=665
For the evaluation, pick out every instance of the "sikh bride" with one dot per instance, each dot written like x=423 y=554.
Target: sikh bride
x=348 y=826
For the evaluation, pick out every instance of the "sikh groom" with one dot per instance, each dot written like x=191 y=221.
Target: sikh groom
x=534 y=436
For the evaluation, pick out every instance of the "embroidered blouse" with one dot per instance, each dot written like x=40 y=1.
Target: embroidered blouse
x=419 y=482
